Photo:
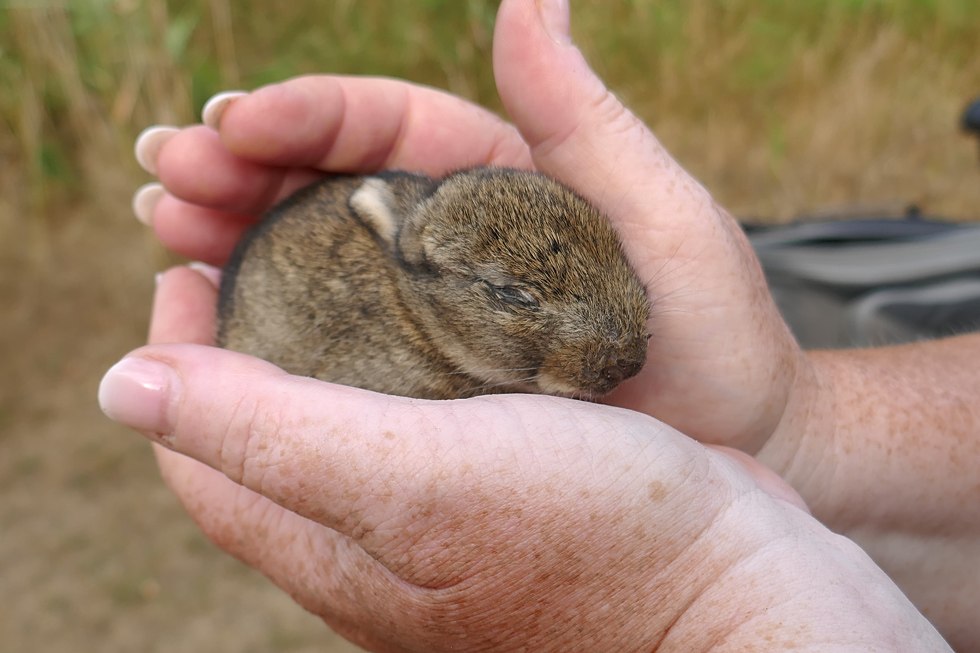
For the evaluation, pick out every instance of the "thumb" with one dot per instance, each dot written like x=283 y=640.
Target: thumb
x=720 y=341
x=269 y=431
x=579 y=132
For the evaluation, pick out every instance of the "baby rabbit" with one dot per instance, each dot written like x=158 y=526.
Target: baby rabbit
x=489 y=280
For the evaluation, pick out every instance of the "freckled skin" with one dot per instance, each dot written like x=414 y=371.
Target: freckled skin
x=889 y=458
x=487 y=281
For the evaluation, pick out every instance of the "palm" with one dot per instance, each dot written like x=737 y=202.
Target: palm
x=494 y=523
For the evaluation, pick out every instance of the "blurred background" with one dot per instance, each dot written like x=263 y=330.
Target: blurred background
x=779 y=108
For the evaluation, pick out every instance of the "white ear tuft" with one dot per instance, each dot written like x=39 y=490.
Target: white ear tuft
x=374 y=203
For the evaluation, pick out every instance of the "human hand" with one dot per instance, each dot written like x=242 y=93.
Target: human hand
x=508 y=522
x=718 y=339
x=721 y=365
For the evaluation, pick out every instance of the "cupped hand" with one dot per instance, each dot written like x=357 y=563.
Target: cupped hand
x=509 y=522
x=722 y=365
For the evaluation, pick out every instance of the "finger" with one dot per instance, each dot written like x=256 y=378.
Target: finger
x=361 y=124
x=269 y=139
x=183 y=307
x=194 y=166
x=196 y=232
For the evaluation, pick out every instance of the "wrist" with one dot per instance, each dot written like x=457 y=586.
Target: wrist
x=800 y=448
x=884 y=437
x=881 y=444
x=798 y=572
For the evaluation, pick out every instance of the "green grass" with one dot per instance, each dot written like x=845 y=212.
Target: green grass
x=78 y=80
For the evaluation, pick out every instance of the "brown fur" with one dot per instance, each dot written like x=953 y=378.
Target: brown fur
x=489 y=280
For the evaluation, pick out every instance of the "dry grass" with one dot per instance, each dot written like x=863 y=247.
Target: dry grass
x=779 y=107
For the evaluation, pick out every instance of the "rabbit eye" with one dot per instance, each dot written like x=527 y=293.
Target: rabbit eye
x=514 y=295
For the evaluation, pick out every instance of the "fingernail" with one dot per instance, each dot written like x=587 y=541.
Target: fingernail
x=148 y=145
x=209 y=272
x=215 y=107
x=145 y=201
x=555 y=18
x=141 y=394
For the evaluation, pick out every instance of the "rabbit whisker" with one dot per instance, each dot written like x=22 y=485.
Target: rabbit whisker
x=488 y=386
x=499 y=369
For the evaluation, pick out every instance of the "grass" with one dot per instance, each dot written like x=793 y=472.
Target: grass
x=739 y=88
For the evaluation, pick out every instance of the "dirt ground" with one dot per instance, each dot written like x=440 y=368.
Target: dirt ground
x=95 y=553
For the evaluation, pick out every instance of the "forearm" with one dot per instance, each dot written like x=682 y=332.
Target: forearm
x=896 y=433
x=884 y=445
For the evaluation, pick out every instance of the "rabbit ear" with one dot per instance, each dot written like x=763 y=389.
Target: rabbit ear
x=374 y=202
x=392 y=205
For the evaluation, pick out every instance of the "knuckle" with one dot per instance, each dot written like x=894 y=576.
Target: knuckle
x=251 y=439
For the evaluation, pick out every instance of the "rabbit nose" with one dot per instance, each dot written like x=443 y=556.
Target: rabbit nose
x=621 y=370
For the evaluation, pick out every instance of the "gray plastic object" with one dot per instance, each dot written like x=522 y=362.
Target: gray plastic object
x=907 y=314
x=873 y=282
x=971 y=117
